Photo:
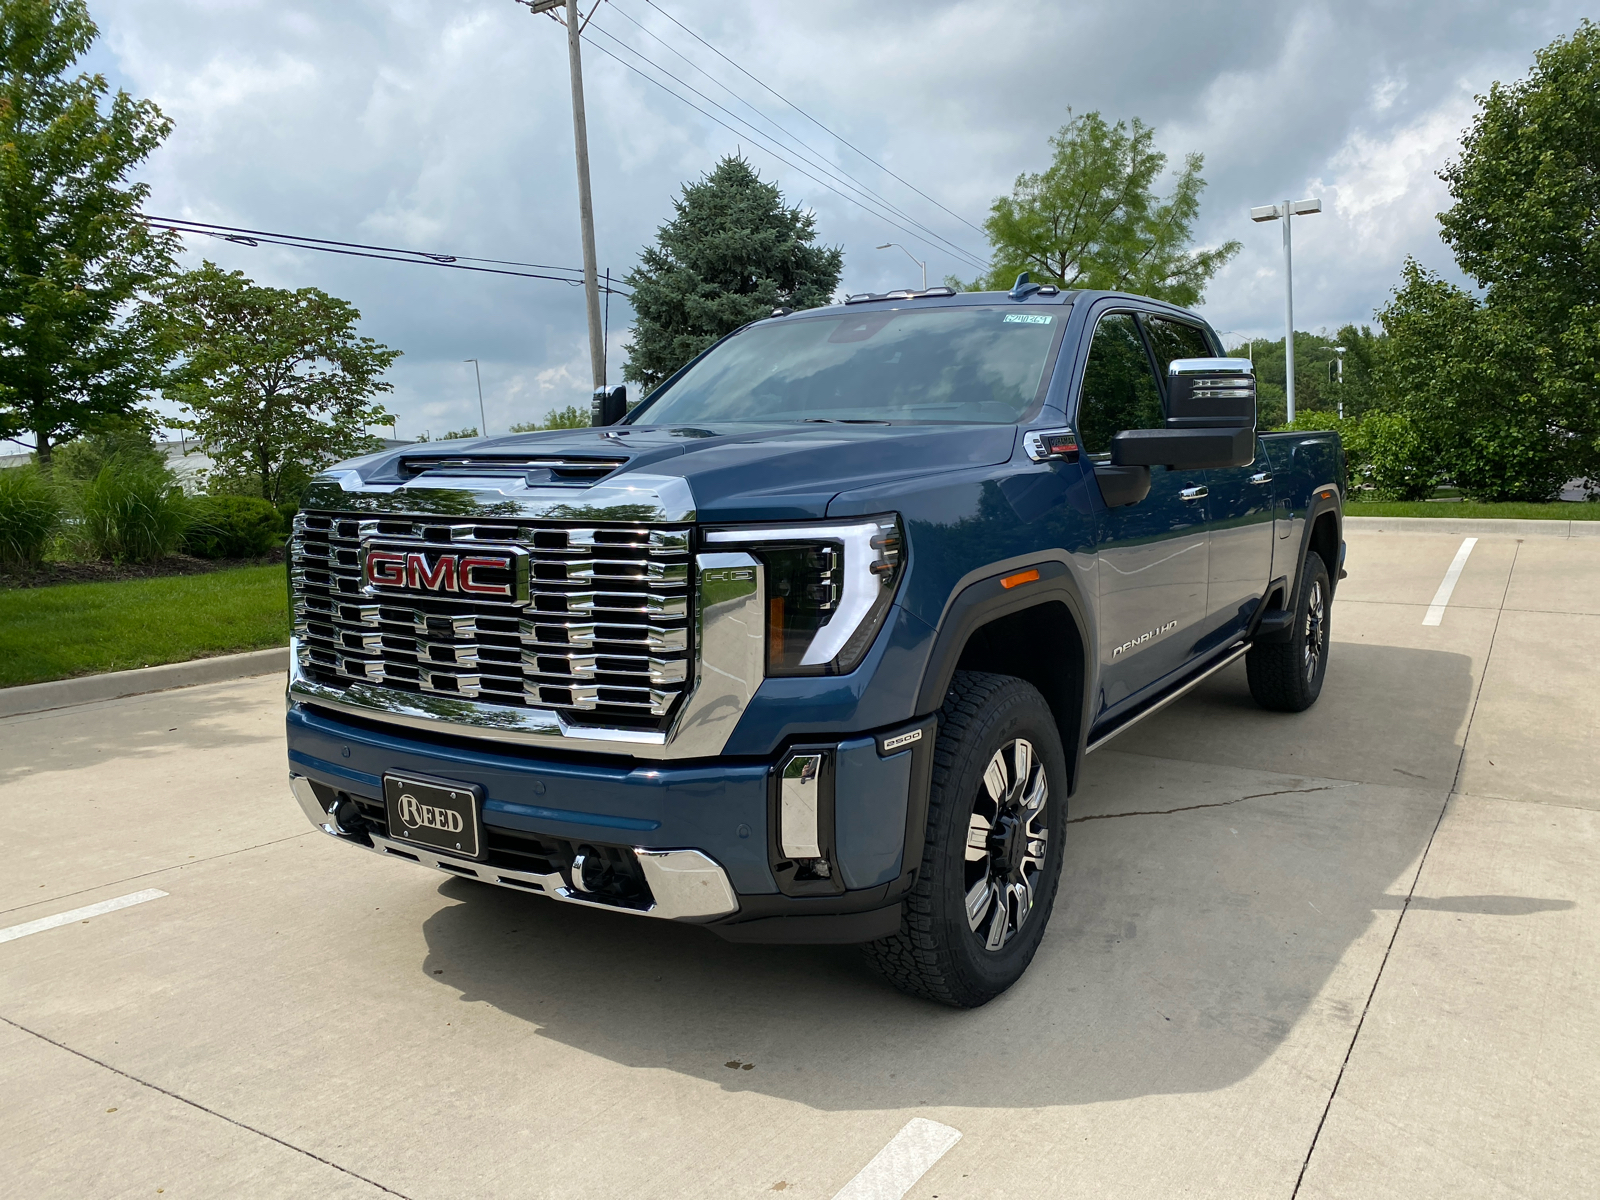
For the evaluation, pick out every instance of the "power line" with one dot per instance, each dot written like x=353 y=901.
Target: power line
x=459 y=262
x=810 y=118
x=748 y=131
x=817 y=158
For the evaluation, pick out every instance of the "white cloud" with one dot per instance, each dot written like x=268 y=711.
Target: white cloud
x=445 y=125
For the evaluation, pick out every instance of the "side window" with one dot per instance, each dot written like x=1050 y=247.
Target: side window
x=1174 y=339
x=1119 y=391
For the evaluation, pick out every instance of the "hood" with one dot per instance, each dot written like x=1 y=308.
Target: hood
x=736 y=472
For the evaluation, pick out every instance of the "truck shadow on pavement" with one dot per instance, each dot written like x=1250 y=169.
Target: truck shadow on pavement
x=1187 y=943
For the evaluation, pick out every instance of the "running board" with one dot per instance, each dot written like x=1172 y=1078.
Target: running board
x=1226 y=660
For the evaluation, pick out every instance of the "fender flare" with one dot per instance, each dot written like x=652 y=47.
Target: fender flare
x=1325 y=498
x=977 y=602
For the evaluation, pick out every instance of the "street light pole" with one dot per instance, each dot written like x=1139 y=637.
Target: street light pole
x=1286 y=212
x=483 y=421
x=580 y=137
x=912 y=257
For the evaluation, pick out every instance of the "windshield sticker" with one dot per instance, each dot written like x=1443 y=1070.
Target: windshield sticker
x=1028 y=319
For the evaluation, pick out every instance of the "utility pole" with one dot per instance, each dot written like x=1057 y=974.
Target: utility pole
x=1285 y=212
x=483 y=421
x=580 y=137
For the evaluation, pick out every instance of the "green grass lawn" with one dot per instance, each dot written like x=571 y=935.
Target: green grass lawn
x=86 y=628
x=1468 y=509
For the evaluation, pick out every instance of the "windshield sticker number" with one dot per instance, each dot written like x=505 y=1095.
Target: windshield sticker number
x=1027 y=319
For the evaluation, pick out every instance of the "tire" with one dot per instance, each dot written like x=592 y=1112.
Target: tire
x=1287 y=676
x=1013 y=840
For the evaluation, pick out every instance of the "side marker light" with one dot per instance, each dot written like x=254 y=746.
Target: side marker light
x=1021 y=577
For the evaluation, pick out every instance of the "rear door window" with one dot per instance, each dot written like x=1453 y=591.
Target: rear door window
x=1175 y=339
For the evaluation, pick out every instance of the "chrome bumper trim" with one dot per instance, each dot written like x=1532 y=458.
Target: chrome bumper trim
x=729 y=665
x=687 y=885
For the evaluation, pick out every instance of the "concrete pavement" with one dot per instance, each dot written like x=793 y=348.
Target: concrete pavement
x=1345 y=953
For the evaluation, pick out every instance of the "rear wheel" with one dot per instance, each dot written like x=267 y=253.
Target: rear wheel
x=1287 y=676
x=992 y=858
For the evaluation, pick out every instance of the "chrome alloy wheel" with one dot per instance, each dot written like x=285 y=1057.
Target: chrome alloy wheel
x=1007 y=834
x=1316 y=629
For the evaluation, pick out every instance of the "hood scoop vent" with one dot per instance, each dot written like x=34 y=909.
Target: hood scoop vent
x=540 y=470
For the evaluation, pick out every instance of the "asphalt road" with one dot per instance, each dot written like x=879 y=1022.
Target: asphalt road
x=1346 y=953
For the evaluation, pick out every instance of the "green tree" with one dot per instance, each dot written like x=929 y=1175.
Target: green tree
x=456 y=435
x=1508 y=386
x=277 y=383
x=732 y=253
x=1092 y=218
x=1468 y=377
x=1316 y=373
x=75 y=254
x=570 y=417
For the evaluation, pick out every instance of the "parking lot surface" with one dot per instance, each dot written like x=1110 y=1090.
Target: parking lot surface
x=1347 y=953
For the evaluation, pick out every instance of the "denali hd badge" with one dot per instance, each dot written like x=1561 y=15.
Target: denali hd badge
x=496 y=575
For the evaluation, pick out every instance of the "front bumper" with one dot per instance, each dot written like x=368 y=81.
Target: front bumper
x=684 y=885
x=690 y=842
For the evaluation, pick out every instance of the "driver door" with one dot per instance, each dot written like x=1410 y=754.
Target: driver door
x=1152 y=555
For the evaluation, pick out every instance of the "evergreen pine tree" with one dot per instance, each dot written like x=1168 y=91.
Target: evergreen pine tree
x=732 y=253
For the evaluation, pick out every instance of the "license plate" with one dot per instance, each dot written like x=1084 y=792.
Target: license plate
x=434 y=813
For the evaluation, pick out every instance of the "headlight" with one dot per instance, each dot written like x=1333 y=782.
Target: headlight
x=829 y=587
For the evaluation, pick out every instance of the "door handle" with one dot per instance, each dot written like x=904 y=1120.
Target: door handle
x=1195 y=493
x=1264 y=477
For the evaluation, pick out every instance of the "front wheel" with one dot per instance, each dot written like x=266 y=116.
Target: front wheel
x=992 y=858
x=1287 y=676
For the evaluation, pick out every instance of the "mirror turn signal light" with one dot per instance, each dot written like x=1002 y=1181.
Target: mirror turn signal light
x=1021 y=577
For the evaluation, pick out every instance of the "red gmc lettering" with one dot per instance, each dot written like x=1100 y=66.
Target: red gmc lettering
x=441 y=575
x=472 y=587
x=386 y=569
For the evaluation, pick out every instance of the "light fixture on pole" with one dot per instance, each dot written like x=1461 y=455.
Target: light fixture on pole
x=1249 y=343
x=483 y=421
x=1339 y=350
x=1286 y=212
x=912 y=257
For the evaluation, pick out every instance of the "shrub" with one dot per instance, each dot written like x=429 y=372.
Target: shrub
x=1398 y=460
x=232 y=527
x=30 y=514
x=123 y=443
x=133 y=514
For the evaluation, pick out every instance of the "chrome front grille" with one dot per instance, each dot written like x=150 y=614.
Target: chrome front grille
x=591 y=621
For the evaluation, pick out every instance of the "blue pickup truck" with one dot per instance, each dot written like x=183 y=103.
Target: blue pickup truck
x=811 y=644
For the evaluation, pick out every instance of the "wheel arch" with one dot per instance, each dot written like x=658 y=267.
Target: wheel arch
x=1036 y=631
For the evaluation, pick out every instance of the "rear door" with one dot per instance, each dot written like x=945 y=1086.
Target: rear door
x=1152 y=555
x=1239 y=506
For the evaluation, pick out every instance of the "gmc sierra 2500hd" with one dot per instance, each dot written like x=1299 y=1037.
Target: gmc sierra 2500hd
x=810 y=645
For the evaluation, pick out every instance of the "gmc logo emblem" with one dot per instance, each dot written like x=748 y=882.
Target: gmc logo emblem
x=414 y=570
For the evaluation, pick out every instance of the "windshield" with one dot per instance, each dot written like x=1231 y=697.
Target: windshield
x=968 y=365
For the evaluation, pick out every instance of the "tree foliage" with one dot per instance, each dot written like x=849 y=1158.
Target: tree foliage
x=732 y=253
x=74 y=252
x=1317 y=385
x=1506 y=388
x=1092 y=218
x=277 y=383
x=570 y=417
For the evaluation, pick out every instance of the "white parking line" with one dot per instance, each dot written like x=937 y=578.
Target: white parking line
x=906 y=1159
x=1442 y=596
x=79 y=914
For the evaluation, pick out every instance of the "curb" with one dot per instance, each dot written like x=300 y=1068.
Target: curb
x=62 y=693
x=1481 y=525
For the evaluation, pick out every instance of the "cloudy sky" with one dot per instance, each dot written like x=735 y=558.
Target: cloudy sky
x=445 y=125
